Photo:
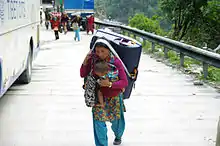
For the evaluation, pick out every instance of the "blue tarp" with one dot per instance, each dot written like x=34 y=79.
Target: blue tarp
x=78 y=4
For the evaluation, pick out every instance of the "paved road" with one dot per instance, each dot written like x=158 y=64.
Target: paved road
x=165 y=109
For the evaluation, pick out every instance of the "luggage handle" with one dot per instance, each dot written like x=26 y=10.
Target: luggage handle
x=125 y=42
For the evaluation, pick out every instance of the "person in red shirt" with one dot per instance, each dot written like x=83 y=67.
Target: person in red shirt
x=113 y=110
x=55 y=21
x=64 y=21
x=90 y=24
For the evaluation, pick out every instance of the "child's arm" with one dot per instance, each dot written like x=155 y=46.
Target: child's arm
x=100 y=95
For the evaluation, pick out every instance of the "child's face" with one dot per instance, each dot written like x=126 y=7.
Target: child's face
x=100 y=74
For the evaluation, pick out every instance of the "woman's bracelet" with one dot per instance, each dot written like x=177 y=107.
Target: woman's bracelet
x=110 y=84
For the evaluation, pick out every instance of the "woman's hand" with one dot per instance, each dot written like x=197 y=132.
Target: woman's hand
x=87 y=57
x=104 y=83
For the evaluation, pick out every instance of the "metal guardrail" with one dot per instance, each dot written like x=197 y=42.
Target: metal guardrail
x=206 y=57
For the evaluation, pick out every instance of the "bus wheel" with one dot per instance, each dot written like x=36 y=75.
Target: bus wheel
x=25 y=77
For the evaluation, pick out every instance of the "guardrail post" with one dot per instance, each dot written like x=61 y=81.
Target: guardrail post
x=205 y=70
x=123 y=32
x=153 y=46
x=218 y=134
x=129 y=34
x=144 y=42
x=165 y=50
x=97 y=26
x=181 y=59
x=135 y=37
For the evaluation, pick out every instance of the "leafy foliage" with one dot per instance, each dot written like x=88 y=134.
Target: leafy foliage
x=144 y=23
x=197 y=22
x=183 y=13
x=207 y=30
x=121 y=10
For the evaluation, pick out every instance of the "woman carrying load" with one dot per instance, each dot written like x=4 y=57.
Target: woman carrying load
x=113 y=110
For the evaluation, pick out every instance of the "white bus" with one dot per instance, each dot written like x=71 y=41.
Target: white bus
x=19 y=40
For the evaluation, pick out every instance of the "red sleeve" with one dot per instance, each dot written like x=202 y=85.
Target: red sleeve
x=123 y=81
x=85 y=69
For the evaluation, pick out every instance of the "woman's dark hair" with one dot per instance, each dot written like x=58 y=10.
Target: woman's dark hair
x=100 y=44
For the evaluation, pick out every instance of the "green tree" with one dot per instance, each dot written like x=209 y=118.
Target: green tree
x=121 y=10
x=211 y=24
x=195 y=21
x=183 y=13
x=207 y=28
x=140 y=21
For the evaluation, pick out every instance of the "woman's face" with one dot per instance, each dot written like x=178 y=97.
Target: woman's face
x=102 y=52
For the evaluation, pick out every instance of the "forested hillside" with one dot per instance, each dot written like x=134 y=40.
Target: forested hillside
x=195 y=21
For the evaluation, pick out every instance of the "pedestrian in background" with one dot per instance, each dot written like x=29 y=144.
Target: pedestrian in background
x=76 y=27
x=90 y=24
x=64 y=21
x=55 y=25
